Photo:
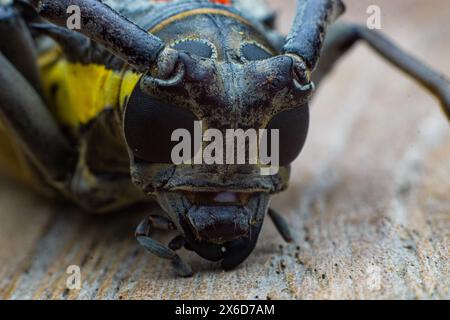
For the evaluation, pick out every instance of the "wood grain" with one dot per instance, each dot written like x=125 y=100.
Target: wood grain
x=368 y=203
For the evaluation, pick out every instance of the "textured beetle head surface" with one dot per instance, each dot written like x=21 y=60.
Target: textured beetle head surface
x=219 y=208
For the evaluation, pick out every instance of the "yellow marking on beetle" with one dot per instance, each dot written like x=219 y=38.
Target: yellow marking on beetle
x=200 y=11
x=79 y=93
x=129 y=81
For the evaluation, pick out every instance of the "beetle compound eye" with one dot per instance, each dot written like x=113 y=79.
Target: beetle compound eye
x=252 y=52
x=149 y=124
x=293 y=128
x=201 y=48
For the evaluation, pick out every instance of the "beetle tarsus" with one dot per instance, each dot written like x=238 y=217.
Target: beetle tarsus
x=142 y=235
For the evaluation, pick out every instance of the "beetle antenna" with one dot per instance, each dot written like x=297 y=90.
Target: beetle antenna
x=107 y=27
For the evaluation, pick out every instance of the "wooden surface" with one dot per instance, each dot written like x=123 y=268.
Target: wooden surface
x=369 y=200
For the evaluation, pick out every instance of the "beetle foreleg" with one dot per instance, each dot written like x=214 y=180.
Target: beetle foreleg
x=281 y=225
x=143 y=237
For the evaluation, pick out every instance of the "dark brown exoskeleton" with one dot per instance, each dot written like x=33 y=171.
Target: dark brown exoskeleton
x=204 y=61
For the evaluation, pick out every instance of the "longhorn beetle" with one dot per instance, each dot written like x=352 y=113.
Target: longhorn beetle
x=88 y=114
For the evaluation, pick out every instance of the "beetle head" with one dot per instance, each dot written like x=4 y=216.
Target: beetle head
x=219 y=208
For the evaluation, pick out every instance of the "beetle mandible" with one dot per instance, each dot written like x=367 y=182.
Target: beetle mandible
x=88 y=114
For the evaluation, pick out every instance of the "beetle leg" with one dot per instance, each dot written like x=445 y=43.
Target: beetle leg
x=343 y=36
x=24 y=113
x=143 y=237
x=17 y=45
x=177 y=243
x=281 y=225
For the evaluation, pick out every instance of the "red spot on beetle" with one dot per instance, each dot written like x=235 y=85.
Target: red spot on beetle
x=224 y=2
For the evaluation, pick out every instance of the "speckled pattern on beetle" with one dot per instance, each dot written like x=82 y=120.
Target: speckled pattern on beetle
x=87 y=115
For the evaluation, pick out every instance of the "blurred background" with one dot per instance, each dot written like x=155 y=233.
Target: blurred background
x=368 y=203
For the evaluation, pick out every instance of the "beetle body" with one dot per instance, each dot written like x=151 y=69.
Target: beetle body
x=97 y=126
